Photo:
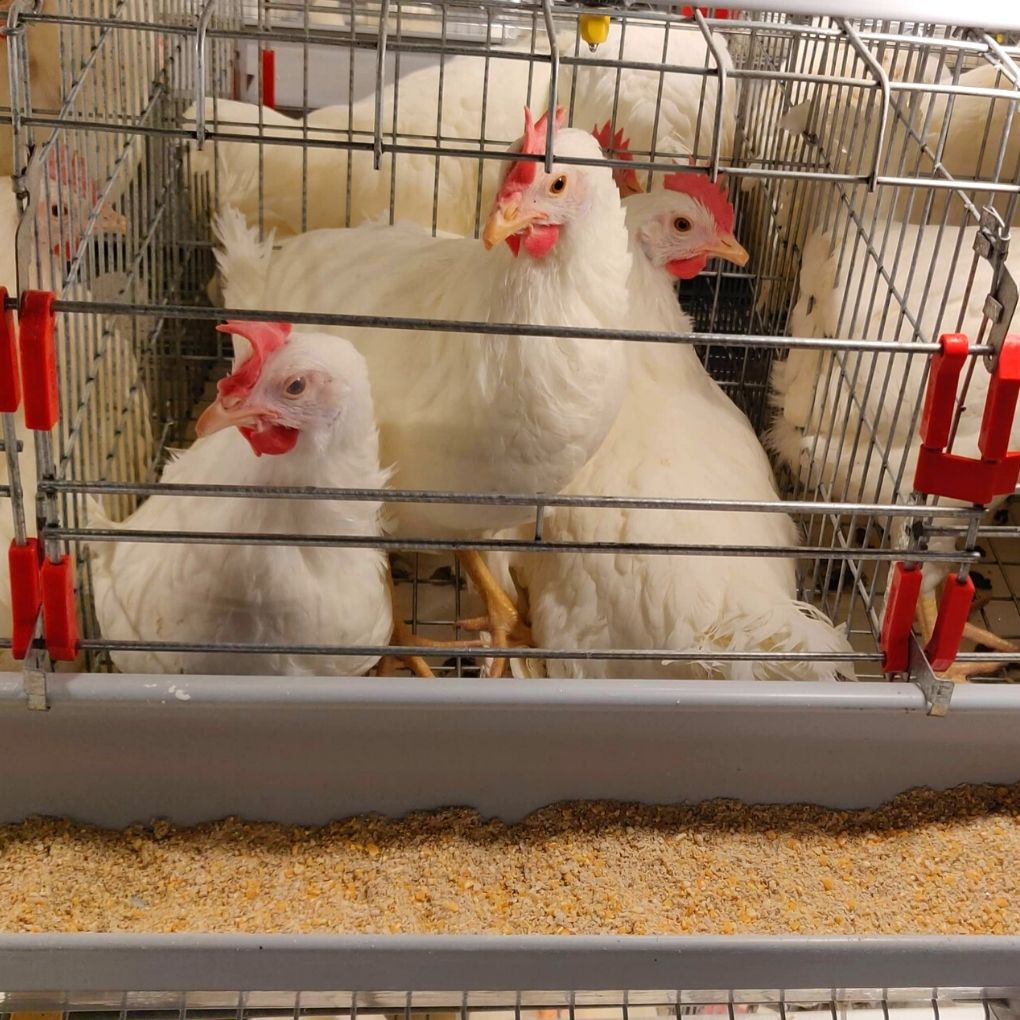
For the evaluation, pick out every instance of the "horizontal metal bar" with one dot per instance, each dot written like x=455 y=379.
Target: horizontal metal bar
x=504 y=499
x=502 y=328
x=620 y=654
x=157 y=963
x=500 y=544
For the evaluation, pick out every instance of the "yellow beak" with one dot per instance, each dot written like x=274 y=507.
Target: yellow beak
x=729 y=248
x=505 y=222
x=216 y=417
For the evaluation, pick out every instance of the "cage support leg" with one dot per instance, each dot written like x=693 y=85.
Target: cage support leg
x=502 y=621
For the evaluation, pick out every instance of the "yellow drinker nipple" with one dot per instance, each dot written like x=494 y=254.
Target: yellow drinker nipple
x=594 y=28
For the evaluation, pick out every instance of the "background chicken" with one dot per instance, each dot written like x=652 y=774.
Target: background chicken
x=302 y=407
x=683 y=121
x=463 y=412
x=62 y=209
x=833 y=408
x=677 y=436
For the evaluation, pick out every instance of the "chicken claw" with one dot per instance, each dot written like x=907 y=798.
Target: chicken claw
x=961 y=672
x=404 y=636
x=503 y=620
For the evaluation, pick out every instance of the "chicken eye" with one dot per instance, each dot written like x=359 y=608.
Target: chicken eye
x=682 y=224
x=295 y=387
x=559 y=185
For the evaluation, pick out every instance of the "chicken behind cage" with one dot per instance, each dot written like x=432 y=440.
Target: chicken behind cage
x=297 y=410
x=847 y=422
x=677 y=435
x=674 y=110
x=459 y=411
x=59 y=211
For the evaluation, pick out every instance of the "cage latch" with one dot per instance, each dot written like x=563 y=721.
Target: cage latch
x=269 y=78
x=975 y=480
x=898 y=619
x=42 y=412
x=23 y=560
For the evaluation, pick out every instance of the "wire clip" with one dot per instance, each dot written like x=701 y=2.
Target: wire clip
x=10 y=373
x=39 y=361
x=975 y=480
x=24 y=564
x=59 y=614
x=898 y=619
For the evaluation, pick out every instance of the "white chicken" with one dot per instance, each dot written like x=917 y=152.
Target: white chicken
x=302 y=406
x=846 y=423
x=677 y=436
x=458 y=411
x=62 y=209
x=683 y=121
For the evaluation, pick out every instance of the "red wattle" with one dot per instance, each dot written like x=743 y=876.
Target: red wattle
x=274 y=439
x=687 y=269
x=514 y=244
x=541 y=239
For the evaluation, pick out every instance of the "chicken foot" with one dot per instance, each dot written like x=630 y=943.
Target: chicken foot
x=502 y=620
x=961 y=672
x=404 y=636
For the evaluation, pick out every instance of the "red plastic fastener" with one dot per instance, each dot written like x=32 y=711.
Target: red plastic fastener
x=269 y=78
x=954 y=608
x=59 y=615
x=39 y=361
x=722 y=13
x=943 y=380
x=26 y=594
x=898 y=620
x=976 y=480
x=10 y=374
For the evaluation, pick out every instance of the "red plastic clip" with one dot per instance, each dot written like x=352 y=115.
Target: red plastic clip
x=10 y=374
x=969 y=479
x=954 y=608
x=59 y=614
x=722 y=13
x=898 y=620
x=23 y=563
x=269 y=78
x=39 y=361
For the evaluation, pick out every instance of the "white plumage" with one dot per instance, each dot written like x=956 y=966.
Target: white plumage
x=842 y=425
x=459 y=411
x=261 y=594
x=684 y=121
x=677 y=436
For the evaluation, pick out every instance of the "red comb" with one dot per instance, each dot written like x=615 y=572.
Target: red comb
x=265 y=338
x=618 y=147
x=69 y=169
x=523 y=173
x=712 y=196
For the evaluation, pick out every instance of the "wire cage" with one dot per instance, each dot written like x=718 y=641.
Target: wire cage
x=830 y=131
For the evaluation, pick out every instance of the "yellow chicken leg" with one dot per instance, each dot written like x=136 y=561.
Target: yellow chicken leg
x=503 y=621
x=404 y=636
x=961 y=672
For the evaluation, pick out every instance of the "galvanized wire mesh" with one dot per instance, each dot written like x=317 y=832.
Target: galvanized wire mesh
x=837 y=124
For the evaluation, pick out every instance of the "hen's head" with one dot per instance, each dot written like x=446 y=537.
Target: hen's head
x=533 y=206
x=686 y=223
x=286 y=385
x=67 y=202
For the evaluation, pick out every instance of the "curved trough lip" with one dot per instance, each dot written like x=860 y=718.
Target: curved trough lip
x=191 y=691
x=177 y=963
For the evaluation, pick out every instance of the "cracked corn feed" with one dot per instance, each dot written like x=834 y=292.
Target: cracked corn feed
x=925 y=863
